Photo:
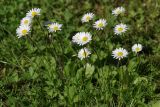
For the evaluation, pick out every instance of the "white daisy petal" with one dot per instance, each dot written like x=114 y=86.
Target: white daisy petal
x=137 y=48
x=26 y=21
x=54 y=27
x=100 y=24
x=117 y=11
x=83 y=53
x=34 y=12
x=120 y=28
x=82 y=38
x=87 y=17
x=22 y=30
x=119 y=53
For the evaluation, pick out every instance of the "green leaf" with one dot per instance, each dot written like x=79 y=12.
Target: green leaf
x=132 y=65
x=89 y=70
x=156 y=104
x=14 y=77
x=32 y=73
x=93 y=57
x=71 y=92
x=76 y=98
x=79 y=73
x=50 y=92
x=140 y=80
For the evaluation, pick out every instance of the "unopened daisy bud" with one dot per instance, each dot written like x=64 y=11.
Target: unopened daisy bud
x=54 y=27
x=100 y=24
x=87 y=17
x=83 y=53
x=82 y=38
x=117 y=11
x=137 y=48
x=119 y=53
x=22 y=30
x=120 y=29
x=26 y=21
x=34 y=12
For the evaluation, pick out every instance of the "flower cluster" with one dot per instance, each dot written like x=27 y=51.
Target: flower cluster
x=120 y=29
x=81 y=38
x=99 y=24
x=120 y=53
x=25 y=25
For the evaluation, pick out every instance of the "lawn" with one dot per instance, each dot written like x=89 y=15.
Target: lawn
x=45 y=67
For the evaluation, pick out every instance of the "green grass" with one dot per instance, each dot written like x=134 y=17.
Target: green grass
x=45 y=71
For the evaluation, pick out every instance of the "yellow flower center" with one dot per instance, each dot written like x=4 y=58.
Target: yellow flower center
x=24 y=32
x=137 y=49
x=84 y=54
x=88 y=18
x=26 y=22
x=120 y=29
x=85 y=38
x=100 y=24
x=34 y=14
x=55 y=28
x=120 y=54
x=118 y=12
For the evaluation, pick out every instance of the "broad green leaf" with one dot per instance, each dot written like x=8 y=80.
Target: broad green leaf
x=89 y=70
x=156 y=104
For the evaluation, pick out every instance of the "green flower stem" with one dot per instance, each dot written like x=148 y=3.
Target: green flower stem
x=94 y=47
x=138 y=61
x=40 y=24
x=62 y=53
x=55 y=54
x=61 y=45
x=58 y=61
x=120 y=83
x=19 y=65
x=34 y=43
x=85 y=60
x=123 y=35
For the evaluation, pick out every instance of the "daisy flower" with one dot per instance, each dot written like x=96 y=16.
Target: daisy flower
x=100 y=24
x=119 y=53
x=75 y=38
x=82 y=38
x=83 y=53
x=26 y=21
x=87 y=17
x=120 y=28
x=117 y=11
x=34 y=12
x=137 y=48
x=54 y=27
x=22 y=30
